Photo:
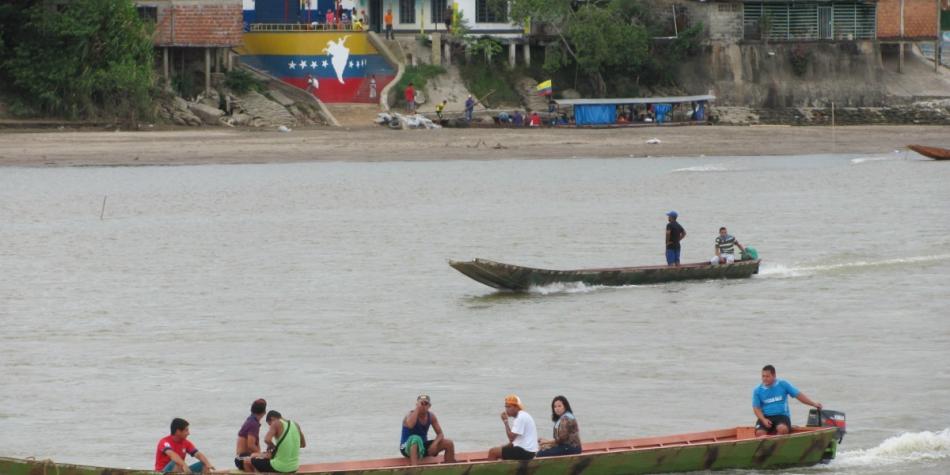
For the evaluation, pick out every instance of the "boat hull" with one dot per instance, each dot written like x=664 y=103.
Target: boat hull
x=935 y=153
x=735 y=448
x=519 y=279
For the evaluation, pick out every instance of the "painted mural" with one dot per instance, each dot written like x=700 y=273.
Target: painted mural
x=344 y=64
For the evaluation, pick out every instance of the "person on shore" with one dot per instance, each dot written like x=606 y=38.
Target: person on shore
x=171 y=450
x=249 y=436
x=447 y=18
x=414 y=443
x=284 y=440
x=770 y=404
x=674 y=234
x=372 y=87
x=410 y=95
x=388 y=20
x=331 y=18
x=469 y=108
x=521 y=431
x=535 y=120
x=517 y=119
x=503 y=118
x=725 y=248
x=567 y=435
x=440 y=109
x=312 y=84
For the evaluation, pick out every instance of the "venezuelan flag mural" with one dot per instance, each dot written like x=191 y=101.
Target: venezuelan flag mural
x=345 y=64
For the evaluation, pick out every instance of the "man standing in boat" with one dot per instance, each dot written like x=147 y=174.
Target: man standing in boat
x=674 y=234
x=521 y=431
x=170 y=454
x=415 y=431
x=770 y=404
x=725 y=248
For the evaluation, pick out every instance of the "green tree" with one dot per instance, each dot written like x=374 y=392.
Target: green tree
x=82 y=58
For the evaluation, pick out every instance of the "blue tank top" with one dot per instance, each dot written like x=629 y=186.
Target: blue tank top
x=420 y=429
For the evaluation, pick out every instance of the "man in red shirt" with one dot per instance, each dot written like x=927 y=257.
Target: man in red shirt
x=171 y=450
x=410 y=99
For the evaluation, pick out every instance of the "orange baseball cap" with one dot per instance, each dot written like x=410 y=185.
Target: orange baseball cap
x=514 y=400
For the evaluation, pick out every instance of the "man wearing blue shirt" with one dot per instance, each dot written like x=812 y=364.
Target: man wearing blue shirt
x=770 y=404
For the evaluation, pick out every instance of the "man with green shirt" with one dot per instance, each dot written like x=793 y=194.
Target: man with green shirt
x=284 y=440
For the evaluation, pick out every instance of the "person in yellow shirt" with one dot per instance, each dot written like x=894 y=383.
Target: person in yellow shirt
x=440 y=108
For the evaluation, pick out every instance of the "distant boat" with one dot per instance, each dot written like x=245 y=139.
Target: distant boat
x=726 y=449
x=519 y=279
x=935 y=153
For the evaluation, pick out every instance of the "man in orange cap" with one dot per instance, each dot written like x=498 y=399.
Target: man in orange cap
x=521 y=430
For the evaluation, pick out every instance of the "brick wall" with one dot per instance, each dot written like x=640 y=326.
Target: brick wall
x=920 y=19
x=198 y=23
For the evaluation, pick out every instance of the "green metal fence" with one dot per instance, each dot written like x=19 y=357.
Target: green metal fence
x=797 y=21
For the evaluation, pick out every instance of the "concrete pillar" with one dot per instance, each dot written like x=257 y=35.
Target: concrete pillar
x=207 y=70
x=527 y=54
x=447 y=52
x=512 y=54
x=165 y=65
x=436 y=48
x=230 y=60
x=900 y=60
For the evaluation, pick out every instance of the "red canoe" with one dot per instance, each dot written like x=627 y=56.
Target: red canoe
x=935 y=153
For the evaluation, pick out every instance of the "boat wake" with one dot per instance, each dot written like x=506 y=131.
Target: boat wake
x=898 y=155
x=899 y=449
x=780 y=270
x=572 y=288
x=702 y=168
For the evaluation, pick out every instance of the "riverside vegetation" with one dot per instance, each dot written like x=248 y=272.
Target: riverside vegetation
x=84 y=59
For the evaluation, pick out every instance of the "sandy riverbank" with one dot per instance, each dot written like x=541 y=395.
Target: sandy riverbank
x=207 y=146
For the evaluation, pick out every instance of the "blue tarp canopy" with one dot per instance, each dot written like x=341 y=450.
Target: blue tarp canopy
x=595 y=114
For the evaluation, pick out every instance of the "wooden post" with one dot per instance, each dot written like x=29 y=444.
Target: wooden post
x=900 y=55
x=165 y=65
x=207 y=70
x=436 y=48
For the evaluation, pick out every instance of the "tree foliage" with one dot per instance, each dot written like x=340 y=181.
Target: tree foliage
x=78 y=59
x=610 y=42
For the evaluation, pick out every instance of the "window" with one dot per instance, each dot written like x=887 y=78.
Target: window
x=407 y=11
x=148 y=14
x=491 y=11
x=438 y=11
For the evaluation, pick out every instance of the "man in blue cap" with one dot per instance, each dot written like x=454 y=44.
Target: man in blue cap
x=674 y=234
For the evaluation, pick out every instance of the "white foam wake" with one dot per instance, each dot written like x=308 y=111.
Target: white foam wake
x=903 y=448
x=856 y=161
x=573 y=288
x=782 y=270
x=702 y=168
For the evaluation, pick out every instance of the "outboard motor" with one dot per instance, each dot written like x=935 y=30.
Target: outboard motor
x=828 y=418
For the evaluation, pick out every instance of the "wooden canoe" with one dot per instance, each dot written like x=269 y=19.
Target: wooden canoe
x=520 y=279
x=734 y=448
x=935 y=153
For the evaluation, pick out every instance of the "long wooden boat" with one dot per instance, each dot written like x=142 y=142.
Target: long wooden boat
x=520 y=279
x=734 y=448
x=935 y=153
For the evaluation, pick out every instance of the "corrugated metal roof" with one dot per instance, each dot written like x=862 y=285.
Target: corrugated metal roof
x=634 y=100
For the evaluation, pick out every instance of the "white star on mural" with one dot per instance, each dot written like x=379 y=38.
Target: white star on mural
x=364 y=63
x=324 y=64
x=303 y=64
x=292 y=65
x=313 y=65
x=351 y=64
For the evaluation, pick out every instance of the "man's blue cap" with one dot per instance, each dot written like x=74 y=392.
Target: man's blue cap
x=672 y=214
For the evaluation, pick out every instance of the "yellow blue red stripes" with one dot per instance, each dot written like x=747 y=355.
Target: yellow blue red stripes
x=303 y=43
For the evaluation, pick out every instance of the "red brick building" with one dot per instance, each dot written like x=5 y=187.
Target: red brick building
x=187 y=29
x=909 y=20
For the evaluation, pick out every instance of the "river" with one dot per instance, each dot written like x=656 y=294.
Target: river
x=132 y=295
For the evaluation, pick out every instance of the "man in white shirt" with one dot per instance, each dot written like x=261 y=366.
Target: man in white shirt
x=521 y=430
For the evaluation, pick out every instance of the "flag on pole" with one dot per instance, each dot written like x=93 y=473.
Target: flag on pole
x=544 y=88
